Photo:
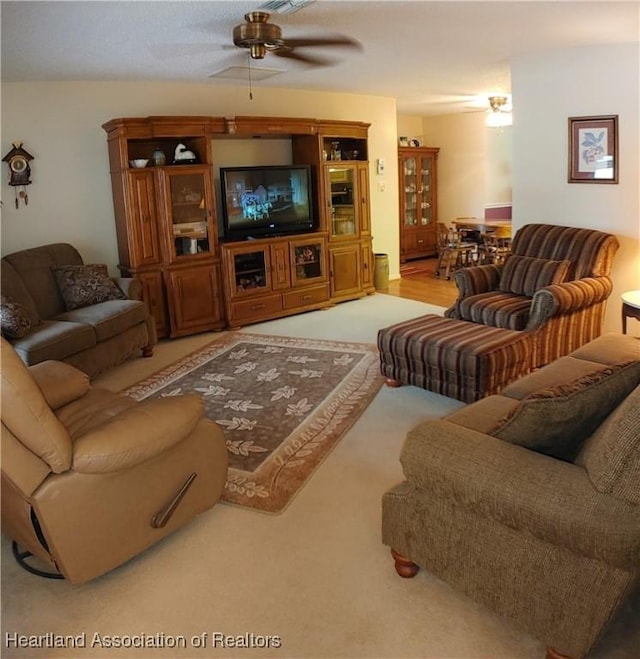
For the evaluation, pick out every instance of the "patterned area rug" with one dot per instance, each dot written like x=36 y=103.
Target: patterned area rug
x=283 y=404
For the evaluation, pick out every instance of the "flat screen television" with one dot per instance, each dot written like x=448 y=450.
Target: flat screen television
x=266 y=201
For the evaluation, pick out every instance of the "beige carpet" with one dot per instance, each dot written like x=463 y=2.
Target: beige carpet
x=317 y=575
x=283 y=403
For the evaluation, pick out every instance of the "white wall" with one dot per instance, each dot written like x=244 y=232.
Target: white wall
x=70 y=198
x=410 y=126
x=547 y=90
x=461 y=163
x=474 y=163
x=498 y=179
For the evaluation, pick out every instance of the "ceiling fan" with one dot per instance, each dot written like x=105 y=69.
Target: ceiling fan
x=261 y=37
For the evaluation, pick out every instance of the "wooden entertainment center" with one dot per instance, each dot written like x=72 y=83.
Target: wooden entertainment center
x=167 y=225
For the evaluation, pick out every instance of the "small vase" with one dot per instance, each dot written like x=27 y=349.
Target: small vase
x=159 y=158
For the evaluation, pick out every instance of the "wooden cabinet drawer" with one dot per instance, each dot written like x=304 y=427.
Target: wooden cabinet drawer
x=305 y=297
x=255 y=309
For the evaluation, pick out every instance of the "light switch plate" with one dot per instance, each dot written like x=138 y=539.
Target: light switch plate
x=380 y=166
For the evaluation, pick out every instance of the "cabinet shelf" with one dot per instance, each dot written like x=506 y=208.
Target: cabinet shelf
x=243 y=273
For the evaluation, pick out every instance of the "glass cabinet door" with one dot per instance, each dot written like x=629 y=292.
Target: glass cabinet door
x=250 y=270
x=189 y=207
x=410 y=192
x=425 y=183
x=342 y=198
x=308 y=259
x=417 y=193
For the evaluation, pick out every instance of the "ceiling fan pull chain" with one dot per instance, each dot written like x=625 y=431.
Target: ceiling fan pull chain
x=249 y=63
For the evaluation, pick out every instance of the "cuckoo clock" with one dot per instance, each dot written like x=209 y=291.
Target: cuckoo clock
x=19 y=171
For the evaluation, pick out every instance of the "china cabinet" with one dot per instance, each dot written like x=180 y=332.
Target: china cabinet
x=417 y=167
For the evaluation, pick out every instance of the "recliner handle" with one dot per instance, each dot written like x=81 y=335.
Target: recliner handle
x=162 y=517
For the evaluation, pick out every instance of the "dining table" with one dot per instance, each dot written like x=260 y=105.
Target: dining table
x=497 y=228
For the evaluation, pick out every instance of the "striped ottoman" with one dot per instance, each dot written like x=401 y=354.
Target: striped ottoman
x=455 y=358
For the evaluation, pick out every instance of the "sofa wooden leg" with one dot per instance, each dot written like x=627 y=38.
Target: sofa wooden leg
x=147 y=351
x=554 y=654
x=404 y=567
x=390 y=382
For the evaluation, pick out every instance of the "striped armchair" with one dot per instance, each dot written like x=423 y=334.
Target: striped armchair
x=554 y=285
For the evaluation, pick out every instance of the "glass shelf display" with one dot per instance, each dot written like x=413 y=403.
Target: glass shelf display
x=344 y=149
x=342 y=206
x=250 y=271
x=417 y=193
x=189 y=212
x=308 y=259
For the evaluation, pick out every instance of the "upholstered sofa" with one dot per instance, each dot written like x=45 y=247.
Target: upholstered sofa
x=56 y=307
x=529 y=501
x=91 y=478
x=553 y=286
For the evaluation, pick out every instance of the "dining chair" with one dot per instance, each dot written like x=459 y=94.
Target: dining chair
x=453 y=253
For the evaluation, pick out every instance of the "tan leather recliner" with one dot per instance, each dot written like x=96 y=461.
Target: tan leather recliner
x=91 y=478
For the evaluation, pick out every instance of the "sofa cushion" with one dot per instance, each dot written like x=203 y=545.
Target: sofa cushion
x=33 y=266
x=82 y=285
x=591 y=252
x=28 y=416
x=108 y=318
x=496 y=309
x=524 y=275
x=611 y=455
x=16 y=320
x=610 y=348
x=560 y=371
x=556 y=420
x=60 y=383
x=484 y=414
x=13 y=287
x=55 y=339
x=139 y=433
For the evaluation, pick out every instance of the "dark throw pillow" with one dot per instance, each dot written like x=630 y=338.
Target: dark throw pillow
x=16 y=319
x=557 y=420
x=524 y=275
x=82 y=285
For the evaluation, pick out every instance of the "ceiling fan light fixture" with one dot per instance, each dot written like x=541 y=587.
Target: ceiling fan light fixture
x=259 y=37
x=257 y=51
x=498 y=117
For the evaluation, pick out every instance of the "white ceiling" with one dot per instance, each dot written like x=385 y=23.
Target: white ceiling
x=433 y=57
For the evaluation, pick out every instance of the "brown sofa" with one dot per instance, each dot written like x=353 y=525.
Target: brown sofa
x=91 y=478
x=529 y=501
x=93 y=337
x=553 y=286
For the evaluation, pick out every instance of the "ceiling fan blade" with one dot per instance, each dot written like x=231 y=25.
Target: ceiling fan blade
x=337 y=40
x=307 y=59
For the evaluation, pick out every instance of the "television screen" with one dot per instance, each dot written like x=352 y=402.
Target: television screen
x=266 y=201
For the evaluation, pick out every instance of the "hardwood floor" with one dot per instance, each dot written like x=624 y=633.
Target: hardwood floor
x=425 y=286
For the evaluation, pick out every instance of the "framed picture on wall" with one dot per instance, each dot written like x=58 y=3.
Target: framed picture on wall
x=593 y=149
